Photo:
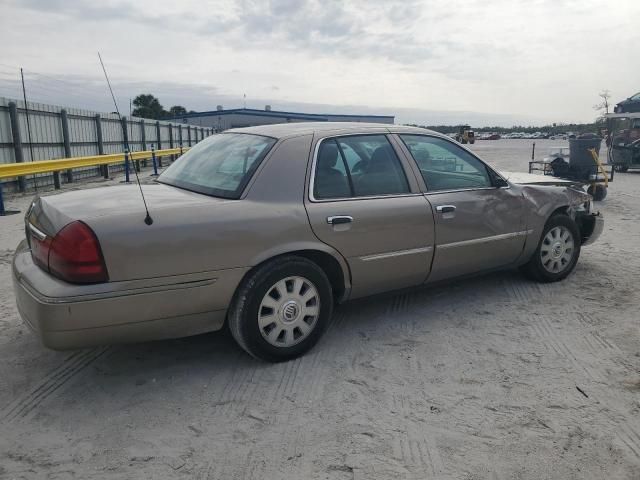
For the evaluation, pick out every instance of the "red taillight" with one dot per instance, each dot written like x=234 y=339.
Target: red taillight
x=74 y=255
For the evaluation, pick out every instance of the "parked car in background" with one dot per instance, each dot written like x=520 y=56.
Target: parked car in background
x=630 y=105
x=488 y=136
x=267 y=228
x=623 y=140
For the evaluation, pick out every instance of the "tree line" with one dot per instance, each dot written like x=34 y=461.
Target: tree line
x=148 y=106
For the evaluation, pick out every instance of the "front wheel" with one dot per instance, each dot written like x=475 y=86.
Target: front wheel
x=557 y=252
x=281 y=310
x=621 y=168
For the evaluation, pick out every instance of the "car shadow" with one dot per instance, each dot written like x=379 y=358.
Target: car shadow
x=377 y=313
x=213 y=369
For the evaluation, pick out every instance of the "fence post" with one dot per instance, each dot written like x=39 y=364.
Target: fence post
x=125 y=132
x=143 y=135
x=1 y=200
x=126 y=166
x=143 y=139
x=189 y=134
x=159 y=141
x=180 y=136
x=153 y=160
x=17 y=142
x=66 y=141
x=99 y=134
x=173 y=157
x=103 y=168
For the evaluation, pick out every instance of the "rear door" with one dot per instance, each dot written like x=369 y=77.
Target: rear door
x=365 y=201
x=479 y=225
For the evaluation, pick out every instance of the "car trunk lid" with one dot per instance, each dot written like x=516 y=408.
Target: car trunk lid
x=49 y=214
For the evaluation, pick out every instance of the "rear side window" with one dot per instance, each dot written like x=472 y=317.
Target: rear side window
x=358 y=166
x=220 y=166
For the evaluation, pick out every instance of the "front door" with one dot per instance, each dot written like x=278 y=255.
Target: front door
x=479 y=225
x=364 y=205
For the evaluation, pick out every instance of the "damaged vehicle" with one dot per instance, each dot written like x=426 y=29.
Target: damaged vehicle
x=267 y=228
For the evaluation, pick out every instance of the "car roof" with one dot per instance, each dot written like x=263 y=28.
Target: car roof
x=286 y=130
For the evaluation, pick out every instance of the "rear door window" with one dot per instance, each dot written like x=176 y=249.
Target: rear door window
x=358 y=166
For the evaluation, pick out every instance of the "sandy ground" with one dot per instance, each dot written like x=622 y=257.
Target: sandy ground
x=489 y=378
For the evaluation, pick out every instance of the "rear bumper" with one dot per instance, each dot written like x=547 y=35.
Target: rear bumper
x=591 y=226
x=82 y=318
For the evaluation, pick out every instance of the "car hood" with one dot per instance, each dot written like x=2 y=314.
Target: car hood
x=533 y=179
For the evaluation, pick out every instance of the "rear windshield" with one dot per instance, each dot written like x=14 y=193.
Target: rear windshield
x=220 y=166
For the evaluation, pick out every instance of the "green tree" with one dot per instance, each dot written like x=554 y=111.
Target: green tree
x=148 y=106
x=177 y=110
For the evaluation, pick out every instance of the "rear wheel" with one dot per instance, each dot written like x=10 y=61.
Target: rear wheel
x=281 y=310
x=558 y=251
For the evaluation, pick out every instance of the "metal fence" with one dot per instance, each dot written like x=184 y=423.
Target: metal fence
x=58 y=132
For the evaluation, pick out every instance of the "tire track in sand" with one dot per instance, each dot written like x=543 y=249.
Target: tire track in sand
x=415 y=450
x=567 y=348
x=629 y=437
x=52 y=382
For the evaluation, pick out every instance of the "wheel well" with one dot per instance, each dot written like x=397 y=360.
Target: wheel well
x=329 y=265
x=325 y=261
x=560 y=211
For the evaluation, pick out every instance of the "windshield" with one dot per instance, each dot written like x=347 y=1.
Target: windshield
x=220 y=166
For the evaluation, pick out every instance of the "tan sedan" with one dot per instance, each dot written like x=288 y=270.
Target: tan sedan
x=266 y=228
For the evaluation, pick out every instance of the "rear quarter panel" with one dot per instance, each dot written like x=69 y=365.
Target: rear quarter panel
x=268 y=220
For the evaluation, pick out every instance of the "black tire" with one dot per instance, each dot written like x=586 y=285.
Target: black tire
x=243 y=312
x=598 y=192
x=621 y=168
x=535 y=269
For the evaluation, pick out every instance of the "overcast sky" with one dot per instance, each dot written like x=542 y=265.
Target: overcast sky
x=428 y=61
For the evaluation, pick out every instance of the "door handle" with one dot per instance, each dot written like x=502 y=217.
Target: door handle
x=445 y=208
x=339 y=219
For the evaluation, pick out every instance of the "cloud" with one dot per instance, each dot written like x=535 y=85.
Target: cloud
x=533 y=58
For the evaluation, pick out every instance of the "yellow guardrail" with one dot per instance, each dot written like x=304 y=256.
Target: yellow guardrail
x=10 y=170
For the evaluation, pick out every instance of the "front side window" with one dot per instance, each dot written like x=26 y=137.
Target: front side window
x=220 y=166
x=446 y=166
x=358 y=166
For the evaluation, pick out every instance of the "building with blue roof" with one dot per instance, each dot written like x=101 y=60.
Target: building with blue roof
x=221 y=119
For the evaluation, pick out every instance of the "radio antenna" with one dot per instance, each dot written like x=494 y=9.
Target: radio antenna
x=148 y=220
